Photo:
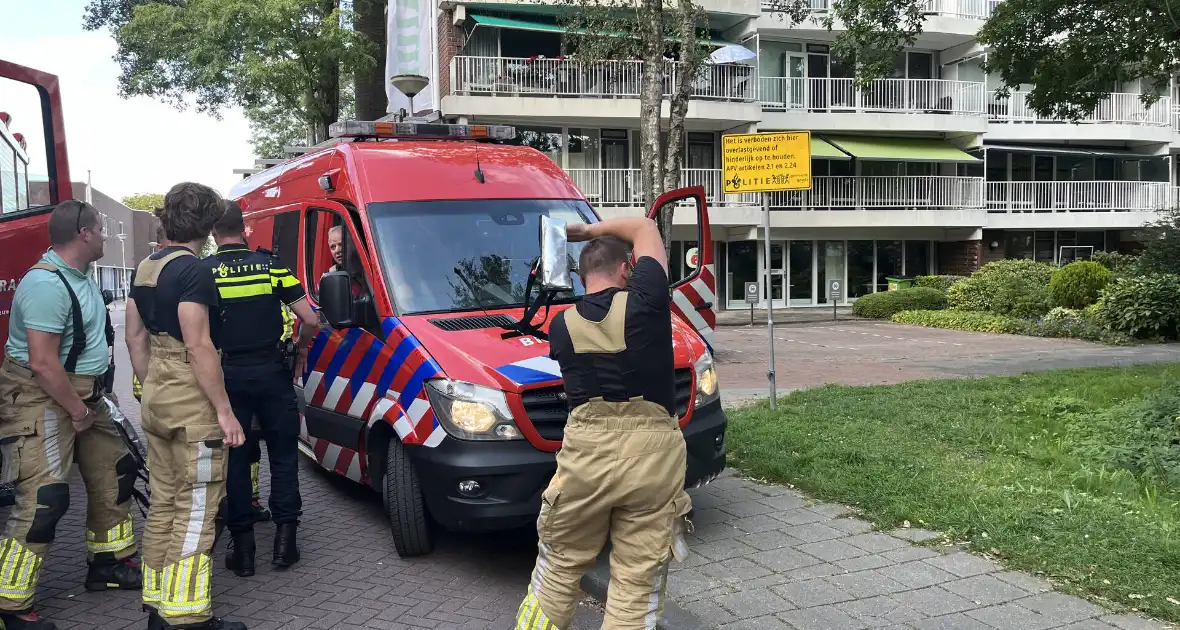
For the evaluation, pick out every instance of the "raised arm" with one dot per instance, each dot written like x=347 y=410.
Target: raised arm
x=641 y=232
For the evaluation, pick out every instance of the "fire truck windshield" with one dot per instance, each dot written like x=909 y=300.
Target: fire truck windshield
x=465 y=255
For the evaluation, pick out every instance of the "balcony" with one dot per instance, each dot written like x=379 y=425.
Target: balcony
x=602 y=91
x=835 y=104
x=968 y=9
x=621 y=187
x=948 y=22
x=1085 y=204
x=1120 y=116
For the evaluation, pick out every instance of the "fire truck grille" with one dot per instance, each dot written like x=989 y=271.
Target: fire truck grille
x=546 y=406
x=476 y=322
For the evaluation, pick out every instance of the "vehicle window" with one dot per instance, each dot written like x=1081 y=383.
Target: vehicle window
x=465 y=255
x=285 y=244
x=320 y=261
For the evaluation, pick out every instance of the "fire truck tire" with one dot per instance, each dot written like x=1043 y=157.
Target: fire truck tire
x=404 y=506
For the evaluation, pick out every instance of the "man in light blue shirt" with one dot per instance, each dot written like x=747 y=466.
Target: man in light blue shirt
x=52 y=387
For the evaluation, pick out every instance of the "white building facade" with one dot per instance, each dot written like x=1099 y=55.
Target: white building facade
x=924 y=172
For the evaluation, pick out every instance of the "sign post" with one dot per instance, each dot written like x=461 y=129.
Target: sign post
x=767 y=162
x=751 y=298
x=834 y=293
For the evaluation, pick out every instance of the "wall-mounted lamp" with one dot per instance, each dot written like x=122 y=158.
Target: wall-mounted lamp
x=993 y=246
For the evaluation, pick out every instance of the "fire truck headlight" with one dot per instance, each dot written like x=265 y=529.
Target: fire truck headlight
x=471 y=412
x=706 y=377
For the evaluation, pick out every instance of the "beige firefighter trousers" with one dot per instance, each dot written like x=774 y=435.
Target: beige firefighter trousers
x=187 y=457
x=38 y=445
x=620 y=476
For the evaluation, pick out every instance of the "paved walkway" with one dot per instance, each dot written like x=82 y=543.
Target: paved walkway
x=767 y=558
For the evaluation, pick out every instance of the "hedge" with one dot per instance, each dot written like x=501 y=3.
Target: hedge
x=942 y=283
x=884 y=304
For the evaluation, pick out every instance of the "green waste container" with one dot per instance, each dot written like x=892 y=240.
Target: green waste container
x=899 y=283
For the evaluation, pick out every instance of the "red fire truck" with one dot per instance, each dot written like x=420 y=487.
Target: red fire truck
x=434 y=385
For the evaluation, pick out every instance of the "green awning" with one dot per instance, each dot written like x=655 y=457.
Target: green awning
x=900 y=149
x=821 y=149
x=543 y=27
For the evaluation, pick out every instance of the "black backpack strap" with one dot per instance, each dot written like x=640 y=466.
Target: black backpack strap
x=79 y=343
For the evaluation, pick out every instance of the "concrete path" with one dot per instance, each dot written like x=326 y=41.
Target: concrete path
x=767 y=558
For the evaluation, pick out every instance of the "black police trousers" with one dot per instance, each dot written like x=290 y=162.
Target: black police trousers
x=266 y=389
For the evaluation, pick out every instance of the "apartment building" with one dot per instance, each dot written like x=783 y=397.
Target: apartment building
x=924 y=172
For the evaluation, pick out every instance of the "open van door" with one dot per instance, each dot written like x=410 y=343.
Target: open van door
x=690 y=267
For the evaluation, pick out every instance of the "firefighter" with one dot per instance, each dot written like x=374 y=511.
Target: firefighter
x=52 y=383
x=254 y=287
x=620 y=472
x=173 y=326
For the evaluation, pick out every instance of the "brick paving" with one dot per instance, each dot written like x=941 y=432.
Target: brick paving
x=350 y=576
x=768 y=558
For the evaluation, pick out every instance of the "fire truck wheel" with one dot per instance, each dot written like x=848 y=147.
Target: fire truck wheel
x=404 y=506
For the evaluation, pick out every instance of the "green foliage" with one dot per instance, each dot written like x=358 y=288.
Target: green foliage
x=147 y=202
x=1073 y=55
x=1144 y=307
x=1078 y=284
x=1118 y=263
x=1015 y=287
x=884 y=304
x=284 y=55
x=1161 y=246
x=972 y=321
x=1139 y=437
x=942 y=283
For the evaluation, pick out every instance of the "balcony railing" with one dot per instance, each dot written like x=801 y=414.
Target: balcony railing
x=885 y=193
x=968 y=9
x=911 y=96
x=623 y=187
x=516 y=76
x=1104 y=196
x=1121 y=108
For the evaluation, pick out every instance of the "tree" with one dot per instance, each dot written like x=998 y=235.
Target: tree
x=272 y=129
x=875 y=32
x=1161 y=246
x=262 y=55
x=147 y=202
x=1075 y=53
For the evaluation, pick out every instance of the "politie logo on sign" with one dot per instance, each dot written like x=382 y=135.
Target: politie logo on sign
x=766 y=162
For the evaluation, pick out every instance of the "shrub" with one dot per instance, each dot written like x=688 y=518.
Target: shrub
x=1161 y=246
x=1078 y=284
x=942 y=283
x=1118 y=263
x=884 y=304
x=1062 y=314
x=1144 y=307
x=974 y=321
x=1015 y=287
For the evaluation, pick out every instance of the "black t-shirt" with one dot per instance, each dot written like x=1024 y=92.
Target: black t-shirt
x=184 y=279
x=646 y=368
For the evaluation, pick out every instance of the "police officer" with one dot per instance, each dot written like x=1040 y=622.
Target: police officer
x=254 y=286
x=172 y=328
x=620 y=472
x=52 y=384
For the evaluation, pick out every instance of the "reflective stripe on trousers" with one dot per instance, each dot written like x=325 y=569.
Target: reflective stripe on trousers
x=118 y=538
x=19 y=569
x=185 y=588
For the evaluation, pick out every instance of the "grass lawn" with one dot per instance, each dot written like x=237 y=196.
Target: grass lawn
x=1073 y=473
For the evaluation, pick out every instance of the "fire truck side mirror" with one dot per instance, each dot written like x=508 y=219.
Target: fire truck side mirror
x=554 y=268
x=336 y=300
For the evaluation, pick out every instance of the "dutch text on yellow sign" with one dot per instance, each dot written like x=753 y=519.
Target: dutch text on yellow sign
x=766 y=162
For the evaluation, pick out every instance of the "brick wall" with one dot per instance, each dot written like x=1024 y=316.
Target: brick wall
x=959 y=258
x=450 y=42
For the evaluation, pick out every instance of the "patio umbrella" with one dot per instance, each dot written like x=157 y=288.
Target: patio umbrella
x=731 y=54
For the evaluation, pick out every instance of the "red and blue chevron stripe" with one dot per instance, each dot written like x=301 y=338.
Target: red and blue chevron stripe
x=355 y=373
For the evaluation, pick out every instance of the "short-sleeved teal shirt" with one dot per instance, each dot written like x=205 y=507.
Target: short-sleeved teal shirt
x=42 y=303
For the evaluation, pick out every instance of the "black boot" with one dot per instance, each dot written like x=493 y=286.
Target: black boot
x=240 y=558
x=107 y=573
x=28 y=620
x=286 y=551
x=155 y=622
x=214 y=623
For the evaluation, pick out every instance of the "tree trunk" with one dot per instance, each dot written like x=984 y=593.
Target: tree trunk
x=678 y=109
x=651 y=155
x=371 y=101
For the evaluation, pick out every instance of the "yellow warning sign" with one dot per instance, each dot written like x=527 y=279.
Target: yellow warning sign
x=766 y=162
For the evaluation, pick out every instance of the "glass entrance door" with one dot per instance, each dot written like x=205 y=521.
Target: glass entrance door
x=800 y=263
x=741 y=260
